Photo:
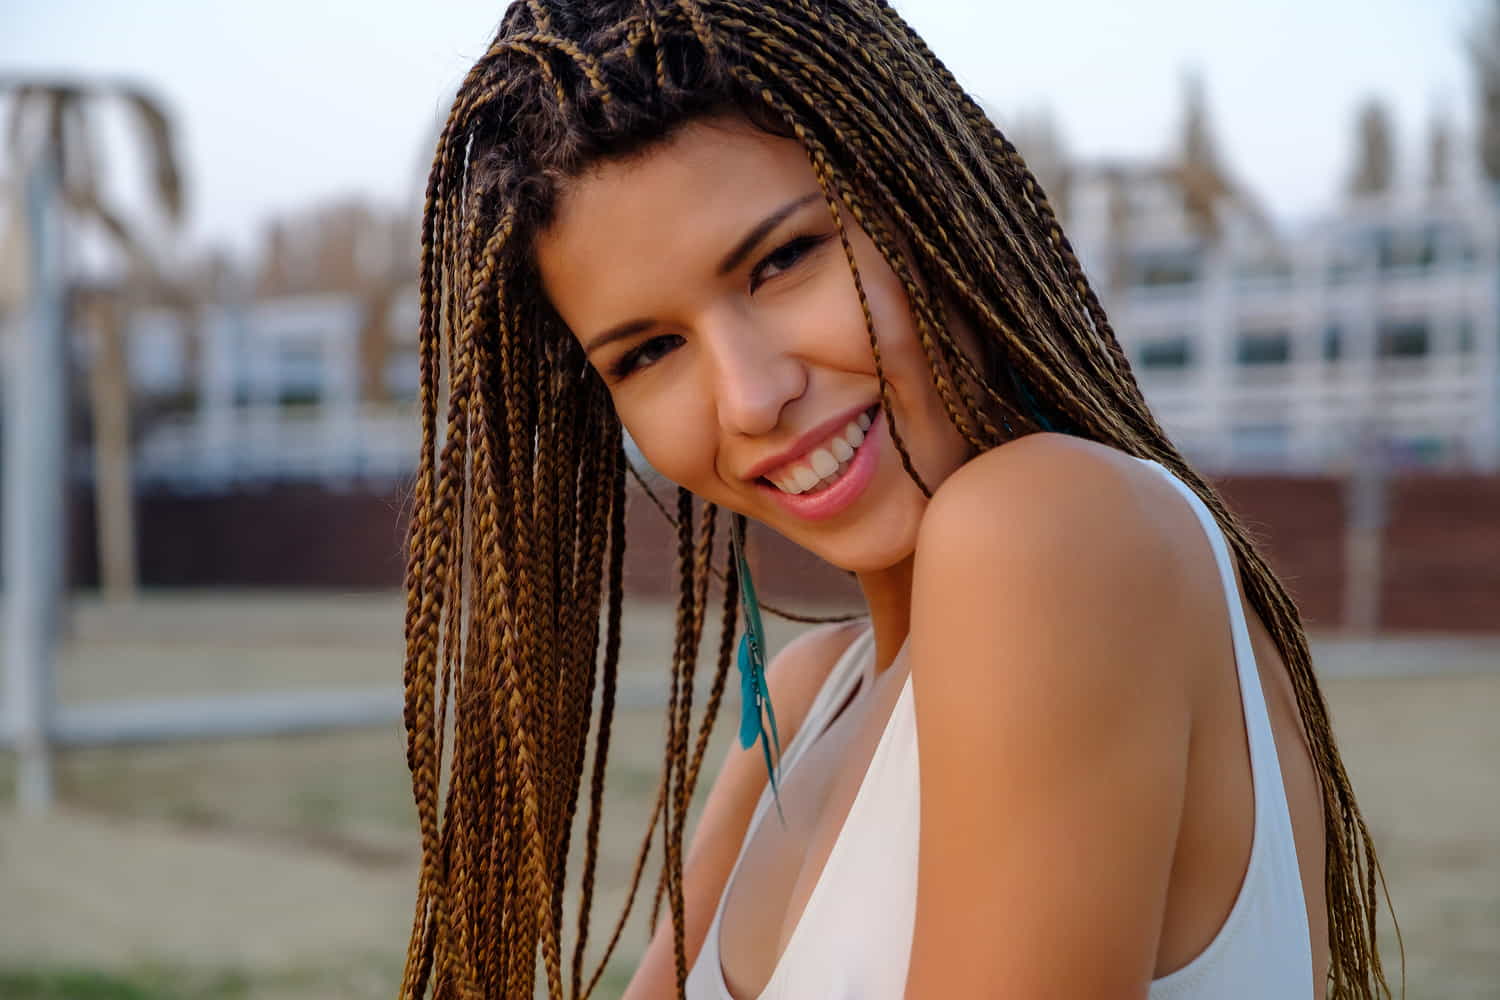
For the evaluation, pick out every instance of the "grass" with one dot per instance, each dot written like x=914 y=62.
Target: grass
x=151 y=983
x=1420 y=750
x=373 y=978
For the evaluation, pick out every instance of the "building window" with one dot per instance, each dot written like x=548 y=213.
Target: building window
x=1259 y=445
x=1166 y=269
x=1404 y=339
x=1351 y=252
x=1333 y=342
x=402 y=377
x=1465 y=335
x=299 y=373
x=1266 y=271
x=1168 y=353
x=1264 y=347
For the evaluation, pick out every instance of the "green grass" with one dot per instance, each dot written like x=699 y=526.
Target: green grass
x=352 y=978
x=140 y=984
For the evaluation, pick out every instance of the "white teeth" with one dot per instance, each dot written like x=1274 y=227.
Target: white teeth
x=827 y=463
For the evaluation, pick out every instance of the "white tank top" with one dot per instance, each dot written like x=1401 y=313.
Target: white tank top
x=853 y=939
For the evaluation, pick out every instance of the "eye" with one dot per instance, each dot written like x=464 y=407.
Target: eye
x=644 y=355
x=784 y=258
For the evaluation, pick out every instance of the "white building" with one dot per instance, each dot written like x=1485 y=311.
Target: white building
x=1372 y=335
x=274 y=394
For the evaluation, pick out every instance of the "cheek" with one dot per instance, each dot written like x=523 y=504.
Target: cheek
x=900 y=345
x=901 y=353
x=677 y=438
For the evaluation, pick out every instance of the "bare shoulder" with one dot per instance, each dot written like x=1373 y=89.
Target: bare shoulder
x=799 y=670
x=794 y=675
x=1048 y=599
x=1054 y=497
x=1057 y=551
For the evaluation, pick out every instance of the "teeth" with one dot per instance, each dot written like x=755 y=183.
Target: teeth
x=827 y=462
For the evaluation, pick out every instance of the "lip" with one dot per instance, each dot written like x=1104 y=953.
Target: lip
x=804 y=445
x=839 y=497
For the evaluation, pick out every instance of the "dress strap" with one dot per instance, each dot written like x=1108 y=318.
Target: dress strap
x=853 y=665
x=1265 y=768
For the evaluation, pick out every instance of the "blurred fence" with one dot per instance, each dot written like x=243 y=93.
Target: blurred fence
x=1437 y=542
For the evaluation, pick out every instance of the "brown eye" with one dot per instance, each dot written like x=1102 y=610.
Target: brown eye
x=644 y=355
x=784 y=258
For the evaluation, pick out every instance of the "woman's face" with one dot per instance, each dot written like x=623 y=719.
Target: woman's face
x=707 y=284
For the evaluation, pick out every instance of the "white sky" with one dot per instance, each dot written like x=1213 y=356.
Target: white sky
x=282 y=103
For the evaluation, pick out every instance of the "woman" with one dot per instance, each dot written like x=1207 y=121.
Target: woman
x=778 y=245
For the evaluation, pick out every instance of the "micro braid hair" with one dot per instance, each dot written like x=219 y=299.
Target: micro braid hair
x=517 y=537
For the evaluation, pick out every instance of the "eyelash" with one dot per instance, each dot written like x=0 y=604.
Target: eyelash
x=797 y=249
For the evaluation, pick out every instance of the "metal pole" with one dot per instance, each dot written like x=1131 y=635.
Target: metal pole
x=35 y=495
x=1366 y=510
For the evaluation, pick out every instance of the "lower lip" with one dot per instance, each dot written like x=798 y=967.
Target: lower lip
x=838 y=497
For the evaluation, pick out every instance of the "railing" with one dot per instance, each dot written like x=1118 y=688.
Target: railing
x=259 y=443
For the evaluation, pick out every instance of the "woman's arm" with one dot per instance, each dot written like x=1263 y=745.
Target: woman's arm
x=795 y=675
x=1053 y=720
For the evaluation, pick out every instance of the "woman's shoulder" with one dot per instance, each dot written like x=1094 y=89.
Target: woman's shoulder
x=1056 y=496
x=798 y=672
x=1058 y=549
x=1051 y=615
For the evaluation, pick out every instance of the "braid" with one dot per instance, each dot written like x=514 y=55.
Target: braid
x=616 y=509
x=516 y=543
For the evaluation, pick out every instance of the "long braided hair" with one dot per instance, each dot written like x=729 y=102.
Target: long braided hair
x=517 y=538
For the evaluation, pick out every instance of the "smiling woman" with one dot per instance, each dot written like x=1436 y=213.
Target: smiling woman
x=782 y=248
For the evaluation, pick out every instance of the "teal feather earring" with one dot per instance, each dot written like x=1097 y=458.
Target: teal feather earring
x=1036 y=413
x=756 y=714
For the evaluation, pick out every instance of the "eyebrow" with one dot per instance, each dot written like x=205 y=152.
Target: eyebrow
x=744 y=248
x=752 y=239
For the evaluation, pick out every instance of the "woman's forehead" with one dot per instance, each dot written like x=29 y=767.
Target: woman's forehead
x=665 y=214
x=722 y=156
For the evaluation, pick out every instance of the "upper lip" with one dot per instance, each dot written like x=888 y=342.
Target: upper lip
x=805 y=443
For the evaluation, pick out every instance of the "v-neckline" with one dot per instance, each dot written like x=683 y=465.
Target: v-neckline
x=833 y=849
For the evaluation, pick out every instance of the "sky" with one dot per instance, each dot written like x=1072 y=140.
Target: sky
x=282 y=104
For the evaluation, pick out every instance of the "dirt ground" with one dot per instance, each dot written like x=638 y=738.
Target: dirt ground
x=284 y=868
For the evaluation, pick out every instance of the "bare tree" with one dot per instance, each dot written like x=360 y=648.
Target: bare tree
x=12 y=246
x=1036 y=135
x=1439 y=154
x=1207 y=186
x=1484 y=54
x=1374 y=151
x=352 y=247
x=64 y=117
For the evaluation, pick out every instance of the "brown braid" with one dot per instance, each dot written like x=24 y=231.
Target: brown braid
x=517 y=539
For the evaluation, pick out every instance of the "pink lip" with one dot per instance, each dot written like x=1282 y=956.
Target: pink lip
x=804 y=444
x=834 y=499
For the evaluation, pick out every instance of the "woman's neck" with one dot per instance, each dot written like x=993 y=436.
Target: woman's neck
x=888 y=596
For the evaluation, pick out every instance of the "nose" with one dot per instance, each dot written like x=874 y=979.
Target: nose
x=754 y=375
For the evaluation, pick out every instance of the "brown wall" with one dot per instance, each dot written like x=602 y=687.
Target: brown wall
x=1441 y=546
x=1442 y=554
x=1298 y=523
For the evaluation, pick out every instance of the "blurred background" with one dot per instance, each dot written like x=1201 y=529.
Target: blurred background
x=208 y=229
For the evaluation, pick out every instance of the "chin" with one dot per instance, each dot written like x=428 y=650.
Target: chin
x=872 y=546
